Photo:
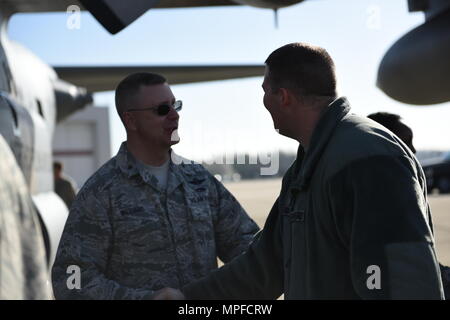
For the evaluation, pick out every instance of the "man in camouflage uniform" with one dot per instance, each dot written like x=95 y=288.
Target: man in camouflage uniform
x=147 y=220
x=23 y=264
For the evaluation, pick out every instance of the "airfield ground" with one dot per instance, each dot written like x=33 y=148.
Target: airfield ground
x=257 y=197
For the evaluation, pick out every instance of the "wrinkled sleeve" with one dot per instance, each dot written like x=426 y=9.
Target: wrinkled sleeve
x=81 y=264
x=233 y=228
x=381 y=209
x=256 y=274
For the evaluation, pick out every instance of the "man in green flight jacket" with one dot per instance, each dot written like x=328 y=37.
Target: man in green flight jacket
x=352 y=219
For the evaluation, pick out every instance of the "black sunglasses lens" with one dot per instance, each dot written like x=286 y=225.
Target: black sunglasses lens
x=163 y=109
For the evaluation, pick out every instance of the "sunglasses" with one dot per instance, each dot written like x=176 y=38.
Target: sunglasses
x=162 y=109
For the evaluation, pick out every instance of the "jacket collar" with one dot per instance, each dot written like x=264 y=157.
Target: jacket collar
x=129 y=166
x=319 y=140
x=176 y=174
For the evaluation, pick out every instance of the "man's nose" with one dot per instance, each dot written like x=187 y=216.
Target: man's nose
x=173 y=114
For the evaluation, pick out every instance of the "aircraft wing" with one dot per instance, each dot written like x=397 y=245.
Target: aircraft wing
x=113 y=15
x=62 y=5
x=106 y=78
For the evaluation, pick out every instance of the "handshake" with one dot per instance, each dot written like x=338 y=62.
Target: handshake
x=168 y=294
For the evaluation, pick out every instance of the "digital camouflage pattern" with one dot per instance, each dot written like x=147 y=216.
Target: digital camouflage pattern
x=23 y=264
x=129 y=237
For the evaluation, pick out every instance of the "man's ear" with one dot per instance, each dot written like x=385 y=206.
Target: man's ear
x=285 y=96
x=129 y=121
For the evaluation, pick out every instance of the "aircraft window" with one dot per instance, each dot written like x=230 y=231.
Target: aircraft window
x=39 y=106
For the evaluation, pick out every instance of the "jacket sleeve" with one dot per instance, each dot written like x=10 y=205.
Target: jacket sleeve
x=381 y=210
x=80 y=268
x=256 y=274
x=233 y=228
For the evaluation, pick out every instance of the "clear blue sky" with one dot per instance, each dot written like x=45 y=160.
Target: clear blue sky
x=228 y=116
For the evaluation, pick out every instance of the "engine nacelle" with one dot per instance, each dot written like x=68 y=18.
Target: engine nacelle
x=416 y=68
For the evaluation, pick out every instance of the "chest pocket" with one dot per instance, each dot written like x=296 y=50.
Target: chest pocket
x=201 y=233
x=294 y=242
x=140 y=234
x=199 y=208
x=200 y=217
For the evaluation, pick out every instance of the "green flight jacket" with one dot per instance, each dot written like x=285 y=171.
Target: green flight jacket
x=351 y=222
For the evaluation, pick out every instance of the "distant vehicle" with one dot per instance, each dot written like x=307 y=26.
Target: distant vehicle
x=437 y=172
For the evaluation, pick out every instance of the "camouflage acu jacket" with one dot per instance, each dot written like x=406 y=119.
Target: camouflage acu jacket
x=128 y=237
x=23 y=263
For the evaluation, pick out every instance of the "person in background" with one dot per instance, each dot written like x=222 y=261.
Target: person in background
x=393 y=123
x=64 y=187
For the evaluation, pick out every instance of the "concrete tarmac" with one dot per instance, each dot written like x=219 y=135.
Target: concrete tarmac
x=258 y=196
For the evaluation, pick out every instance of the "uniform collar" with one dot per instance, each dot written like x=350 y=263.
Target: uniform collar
x=129 y=166
x=322 y=133
x=176 y=176
x=126 y=161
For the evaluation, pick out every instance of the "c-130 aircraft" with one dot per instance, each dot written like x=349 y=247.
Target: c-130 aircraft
x=416 y=70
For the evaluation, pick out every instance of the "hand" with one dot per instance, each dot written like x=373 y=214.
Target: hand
x=168 y=294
